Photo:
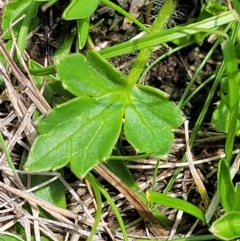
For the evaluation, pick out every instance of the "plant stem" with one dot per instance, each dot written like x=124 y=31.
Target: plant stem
x=233 y=86
x=129 y=158
x=144 y=55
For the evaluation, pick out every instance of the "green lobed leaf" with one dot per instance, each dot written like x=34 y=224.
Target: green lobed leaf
x=149 y=122
x=225 y=186
x=200 y=36
x=80 y=9
x=81 y=132
x=227 y=227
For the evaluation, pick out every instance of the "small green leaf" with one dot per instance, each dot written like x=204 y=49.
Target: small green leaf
x=149 y=122
x=81 y=132
x=80 y=9
x=82 y=31
x=225 y=186
x=159 y=198
x=221 y=115
x=227 y=227
x=53 y=192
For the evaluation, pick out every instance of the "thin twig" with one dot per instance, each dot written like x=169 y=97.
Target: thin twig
x=46 y=205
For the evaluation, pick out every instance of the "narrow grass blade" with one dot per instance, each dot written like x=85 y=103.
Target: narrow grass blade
x=98 y=199
x=7 y=155
x=114 y=208
x=176 y=203
x=166 y=36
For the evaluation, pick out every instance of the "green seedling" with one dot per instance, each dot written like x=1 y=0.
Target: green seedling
x=83 y=131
